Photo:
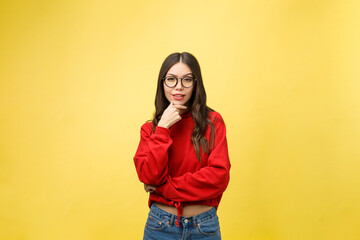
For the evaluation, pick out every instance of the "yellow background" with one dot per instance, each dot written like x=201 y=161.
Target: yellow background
x=78 y=78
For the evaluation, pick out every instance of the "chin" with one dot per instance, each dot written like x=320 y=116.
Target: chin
x=180 y=102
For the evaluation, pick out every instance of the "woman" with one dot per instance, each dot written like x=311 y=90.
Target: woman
x=182 y=157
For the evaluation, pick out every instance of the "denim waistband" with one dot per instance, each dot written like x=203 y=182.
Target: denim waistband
x=193 y=220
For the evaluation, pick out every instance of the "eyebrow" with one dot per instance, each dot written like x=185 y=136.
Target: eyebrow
x=176 y=75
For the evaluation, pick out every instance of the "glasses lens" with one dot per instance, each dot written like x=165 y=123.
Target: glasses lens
x=188 y=82
x=170 y=81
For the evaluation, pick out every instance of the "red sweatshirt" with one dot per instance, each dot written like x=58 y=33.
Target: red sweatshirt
x=167 y=159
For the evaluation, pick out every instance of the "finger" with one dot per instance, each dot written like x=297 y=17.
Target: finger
x=180 y=106
x=171 y=105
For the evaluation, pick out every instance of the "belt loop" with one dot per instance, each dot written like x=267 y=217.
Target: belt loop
x=172 y=220
x=194 y=221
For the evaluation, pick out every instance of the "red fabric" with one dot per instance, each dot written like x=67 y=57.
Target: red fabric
x=167 y=159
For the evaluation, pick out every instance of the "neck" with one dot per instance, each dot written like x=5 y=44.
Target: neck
x=182 y=111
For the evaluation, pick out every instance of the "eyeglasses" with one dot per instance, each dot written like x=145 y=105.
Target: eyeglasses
x=186 y=82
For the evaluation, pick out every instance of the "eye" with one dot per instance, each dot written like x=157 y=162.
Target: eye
x=170 y=79
x=188 y=79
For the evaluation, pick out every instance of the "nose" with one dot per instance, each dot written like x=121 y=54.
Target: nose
x=179 y=85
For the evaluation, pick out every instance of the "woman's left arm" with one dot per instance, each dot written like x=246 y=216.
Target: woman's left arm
x=207 y=183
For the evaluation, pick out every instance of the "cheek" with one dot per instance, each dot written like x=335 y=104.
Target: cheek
x=167 y=93
x=191 y=91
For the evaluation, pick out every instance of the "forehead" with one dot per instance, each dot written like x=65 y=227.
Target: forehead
x=179 y=69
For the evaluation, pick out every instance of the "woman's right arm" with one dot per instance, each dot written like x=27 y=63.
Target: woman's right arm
x=151 y=158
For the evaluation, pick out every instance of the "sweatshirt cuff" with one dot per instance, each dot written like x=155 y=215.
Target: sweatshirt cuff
x=160 y=189
x=162 y=130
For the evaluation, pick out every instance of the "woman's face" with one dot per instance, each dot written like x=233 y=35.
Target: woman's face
x=178 y=94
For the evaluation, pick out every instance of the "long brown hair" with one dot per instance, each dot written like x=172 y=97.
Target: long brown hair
x=197 y=103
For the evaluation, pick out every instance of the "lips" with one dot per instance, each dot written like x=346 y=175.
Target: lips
x=178 y=96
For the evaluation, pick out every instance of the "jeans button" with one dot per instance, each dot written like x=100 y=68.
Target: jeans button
x=186 y=221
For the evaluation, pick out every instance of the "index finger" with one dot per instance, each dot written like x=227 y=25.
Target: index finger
x=178 y=106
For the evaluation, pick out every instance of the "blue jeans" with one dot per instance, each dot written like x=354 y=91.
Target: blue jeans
x=161 y=225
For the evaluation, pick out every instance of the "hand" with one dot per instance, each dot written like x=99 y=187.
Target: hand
x=171 y=115
x=149 y=188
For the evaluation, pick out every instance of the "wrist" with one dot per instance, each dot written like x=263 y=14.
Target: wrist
x=161 y=124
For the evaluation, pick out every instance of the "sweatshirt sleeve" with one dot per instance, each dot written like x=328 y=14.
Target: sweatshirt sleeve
x=151 y=157
x=208 y=182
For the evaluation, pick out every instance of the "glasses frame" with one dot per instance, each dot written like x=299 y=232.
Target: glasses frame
x=177 y=81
